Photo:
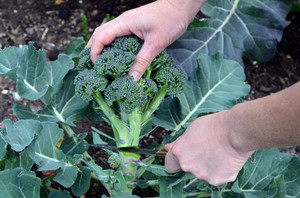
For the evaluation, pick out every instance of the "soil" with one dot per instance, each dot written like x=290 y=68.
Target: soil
x=52 y=24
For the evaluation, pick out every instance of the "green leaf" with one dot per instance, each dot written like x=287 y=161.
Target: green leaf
x=267 y=174
x=239 y=28
x=216 y=85
x=44 y=151
x=82 y=183
x=35 y=75
x=66 y=175
x=10 y=60
x=96 y=139
x=3 y=146
x=75 y=47
x=20 y=134
x=157 y=170
x=13 y=161
x=97 y=170
x=292 y=178
x=64 y=106
x=74 y=145
x=169 y=192
x=59 y=194
x=19 y=183
x=262 y=168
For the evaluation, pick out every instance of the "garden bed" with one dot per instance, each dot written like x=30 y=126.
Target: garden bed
x=53 y=24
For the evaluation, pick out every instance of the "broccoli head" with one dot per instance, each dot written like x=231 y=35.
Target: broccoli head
x=127 y=104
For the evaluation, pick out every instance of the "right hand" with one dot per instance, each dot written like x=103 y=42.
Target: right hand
x=158 y=24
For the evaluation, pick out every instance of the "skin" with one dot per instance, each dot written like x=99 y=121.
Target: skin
x=214 y=147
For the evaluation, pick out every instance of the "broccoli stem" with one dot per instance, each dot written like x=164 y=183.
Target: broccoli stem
x=154 y=104
x=135 y=126
x=127 y=135
x=118 y=126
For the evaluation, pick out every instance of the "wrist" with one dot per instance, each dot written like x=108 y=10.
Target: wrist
x=187 y=8
x=236 y=135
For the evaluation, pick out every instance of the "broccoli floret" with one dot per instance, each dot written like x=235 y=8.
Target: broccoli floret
x=127 y=93
x=171 y=77
x=114 y=62
x=149 y=86
x=85 y=61
x=127 y=44
x=87 y=82
x=126 y=104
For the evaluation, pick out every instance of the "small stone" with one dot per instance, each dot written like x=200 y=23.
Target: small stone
x=4 y=91
x=64 y=14
x=16 y=96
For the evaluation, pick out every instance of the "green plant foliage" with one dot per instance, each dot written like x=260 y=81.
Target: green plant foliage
x=20 y=134
x=216 y=85
x=13 y=161
x=19 y=183
x=82 y=183
x=239 y=28
x=3 y=146
x=63 y=106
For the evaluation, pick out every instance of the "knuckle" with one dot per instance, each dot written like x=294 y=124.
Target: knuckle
x=200 y=175
x=143 y=62
x=186 y=167
x=176 y=150
x=214 y=182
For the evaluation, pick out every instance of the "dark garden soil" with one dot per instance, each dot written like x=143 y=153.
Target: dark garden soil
x=52 y=24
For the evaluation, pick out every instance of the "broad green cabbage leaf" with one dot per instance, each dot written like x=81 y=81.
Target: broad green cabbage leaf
x=19 y=183
x=36 y=76
x=10 y=60
x=21 y=133
x=64 y=106
x=238 y=29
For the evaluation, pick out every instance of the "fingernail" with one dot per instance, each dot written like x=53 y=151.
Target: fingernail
x=136 y=75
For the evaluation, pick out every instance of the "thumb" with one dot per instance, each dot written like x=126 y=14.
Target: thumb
x=172 y=164
x=143 y=59
x=169 y=146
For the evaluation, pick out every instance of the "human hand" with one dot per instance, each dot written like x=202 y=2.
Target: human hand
x=158 y=24
x=206 y=151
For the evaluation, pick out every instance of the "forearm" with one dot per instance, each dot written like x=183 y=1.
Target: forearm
x=187 y=8
x=272 y=121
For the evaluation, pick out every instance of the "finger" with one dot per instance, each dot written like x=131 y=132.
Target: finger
x=172 y=163
x=168 y=146
x=100 y=28
x=143 y=59
x=105 y=35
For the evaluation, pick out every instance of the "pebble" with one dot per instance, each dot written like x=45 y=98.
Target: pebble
x=16 y=96
x=4 y=91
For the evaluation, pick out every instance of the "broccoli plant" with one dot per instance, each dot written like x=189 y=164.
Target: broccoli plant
x=127 y=105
